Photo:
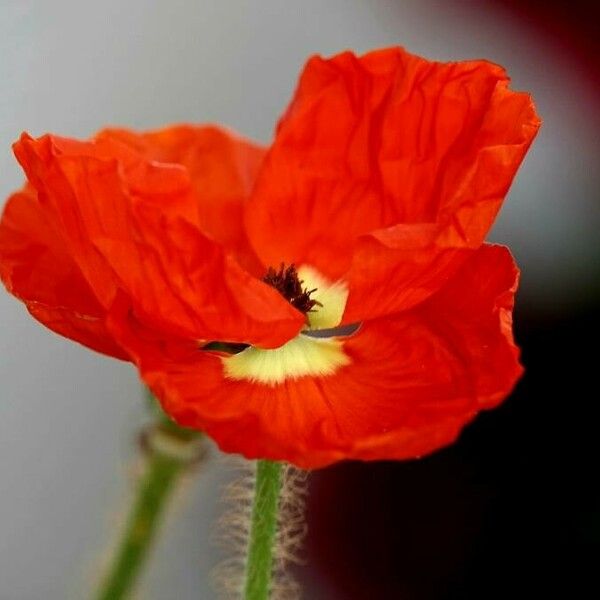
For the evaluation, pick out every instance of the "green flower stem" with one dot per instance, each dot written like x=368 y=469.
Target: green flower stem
x=262 y=530
x=165 y=465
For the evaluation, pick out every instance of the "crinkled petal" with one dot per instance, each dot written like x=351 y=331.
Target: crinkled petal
x=222 y=168
x=132 y=226
x=383 y=154
x=36 y=267
x=412 y=382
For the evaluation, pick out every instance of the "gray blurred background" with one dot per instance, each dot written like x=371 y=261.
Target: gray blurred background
x=68 y=417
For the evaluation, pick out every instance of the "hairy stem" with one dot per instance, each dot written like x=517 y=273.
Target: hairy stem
x=263 y=528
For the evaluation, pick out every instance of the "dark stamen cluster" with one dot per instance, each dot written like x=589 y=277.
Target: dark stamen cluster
x=287 y=283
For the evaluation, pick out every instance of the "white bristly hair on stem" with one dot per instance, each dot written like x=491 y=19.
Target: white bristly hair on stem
x=291 y=531
x=233 y=531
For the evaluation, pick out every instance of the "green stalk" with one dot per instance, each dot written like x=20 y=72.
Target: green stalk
x=262 y=531
x=141 y=529
x=164 y=467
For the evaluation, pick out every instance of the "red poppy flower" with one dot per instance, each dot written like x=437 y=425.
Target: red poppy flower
x=329 y=297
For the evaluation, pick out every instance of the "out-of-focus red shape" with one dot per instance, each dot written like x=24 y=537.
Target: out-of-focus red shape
x=571 y=27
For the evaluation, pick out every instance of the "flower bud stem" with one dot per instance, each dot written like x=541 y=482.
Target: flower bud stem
x=263 y=530
x=141 y=529
x=170 y=450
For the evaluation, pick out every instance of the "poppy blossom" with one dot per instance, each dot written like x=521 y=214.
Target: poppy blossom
x=327 y=297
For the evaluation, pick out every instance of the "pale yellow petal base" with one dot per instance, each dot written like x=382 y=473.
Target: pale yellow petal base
x=300 y=357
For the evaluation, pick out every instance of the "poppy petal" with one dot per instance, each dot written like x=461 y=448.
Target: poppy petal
x=222 y=169
x=408 y=386
x=381 y=154
x=469 y=359
x=36 y=267
x=132 y=225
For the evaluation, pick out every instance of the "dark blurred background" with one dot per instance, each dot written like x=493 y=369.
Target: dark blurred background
x=509 y=511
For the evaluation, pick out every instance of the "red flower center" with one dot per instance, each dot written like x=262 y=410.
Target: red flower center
x=289 y=285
